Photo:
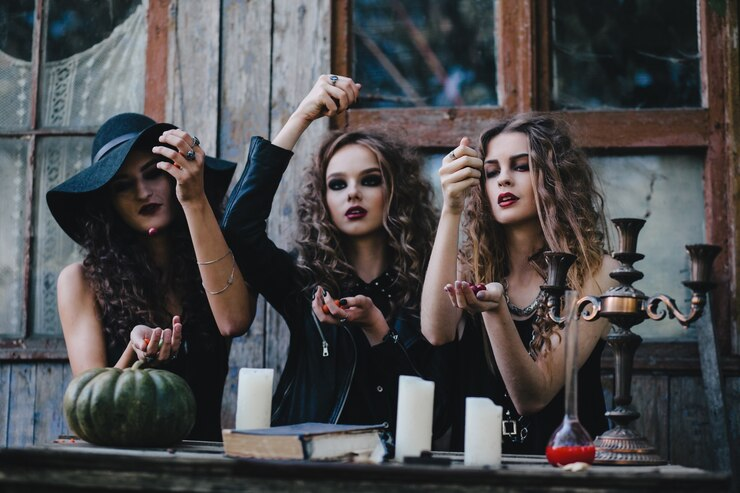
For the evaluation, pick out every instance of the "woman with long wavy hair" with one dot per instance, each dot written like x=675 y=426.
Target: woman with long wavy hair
x=530 y=190
x=154 y=257
x=351 y=298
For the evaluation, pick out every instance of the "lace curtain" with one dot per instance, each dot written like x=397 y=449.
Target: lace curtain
x=84 y=89
x=80 y=91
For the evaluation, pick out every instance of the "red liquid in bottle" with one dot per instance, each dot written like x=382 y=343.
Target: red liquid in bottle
x=560 y=456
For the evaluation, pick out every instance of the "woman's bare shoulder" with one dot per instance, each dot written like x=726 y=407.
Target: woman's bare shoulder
x=72 y=281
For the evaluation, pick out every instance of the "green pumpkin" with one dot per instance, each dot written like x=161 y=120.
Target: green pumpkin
x=134 y=407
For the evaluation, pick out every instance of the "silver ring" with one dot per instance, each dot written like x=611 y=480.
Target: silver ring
x=452 y=155
x=190 y=155
x=342 y=320
x=196 y=142
x=333 y=79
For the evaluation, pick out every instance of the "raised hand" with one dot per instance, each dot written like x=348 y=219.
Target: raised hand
x=329 y=96
x=460 y=171
x=187 y=163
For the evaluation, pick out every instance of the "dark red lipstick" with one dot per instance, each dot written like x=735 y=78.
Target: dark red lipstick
x=506 y=199
x=356 y=212
x=149 y=209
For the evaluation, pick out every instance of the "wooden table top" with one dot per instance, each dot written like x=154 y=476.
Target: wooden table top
x=201 y=466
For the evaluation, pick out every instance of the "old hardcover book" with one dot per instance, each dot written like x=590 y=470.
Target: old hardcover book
x=314 y=441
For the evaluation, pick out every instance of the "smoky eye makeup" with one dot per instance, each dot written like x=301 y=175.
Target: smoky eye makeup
x=372 y=180
x=336 y=184
x=491 y=171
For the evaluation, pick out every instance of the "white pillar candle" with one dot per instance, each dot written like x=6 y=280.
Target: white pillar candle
x=414 y=417
x=254 y=398
x=482 y=432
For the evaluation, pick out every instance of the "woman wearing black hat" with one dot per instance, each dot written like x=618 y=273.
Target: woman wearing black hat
x=154 y=257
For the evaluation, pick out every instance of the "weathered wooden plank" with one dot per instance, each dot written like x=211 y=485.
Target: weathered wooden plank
x=158 y=25
x=443 y=127
x=22 y=404
x=301 y=52
x=732 y=100
x=51 y=382
x=5 y=396
x=246 y=47
x=76 y=468
x=689 y=440
x=515 y=55
x=244 y=112
x=193 y=70
x=246 y=352
x=719 y=201
x=651 y=399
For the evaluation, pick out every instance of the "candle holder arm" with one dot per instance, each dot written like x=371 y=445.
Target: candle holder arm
x=594 y=313
x=656 y=312
x=553 y=308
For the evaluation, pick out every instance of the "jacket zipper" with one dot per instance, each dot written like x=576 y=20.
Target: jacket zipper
x=324 y=344
x=345 y=392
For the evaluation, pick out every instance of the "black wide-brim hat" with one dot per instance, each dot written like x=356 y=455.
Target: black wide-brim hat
x=112 y=144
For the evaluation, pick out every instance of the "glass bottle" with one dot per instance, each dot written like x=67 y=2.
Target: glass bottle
x=570 y=442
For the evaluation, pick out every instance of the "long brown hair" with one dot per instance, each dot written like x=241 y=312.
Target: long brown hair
x=569 y=205
x=409 y=219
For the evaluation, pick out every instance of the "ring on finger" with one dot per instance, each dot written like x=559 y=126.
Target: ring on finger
x=176 y=165
x=452 y=155
x=333 y=79
x=190 y=155
x=196 y=142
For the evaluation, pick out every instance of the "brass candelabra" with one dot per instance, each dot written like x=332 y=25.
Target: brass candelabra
x=626 y=306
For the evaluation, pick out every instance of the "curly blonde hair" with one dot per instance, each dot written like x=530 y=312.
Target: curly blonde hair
x=569 y=205
x=409 y=219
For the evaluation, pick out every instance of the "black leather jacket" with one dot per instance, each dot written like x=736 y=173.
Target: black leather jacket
x=332 y=374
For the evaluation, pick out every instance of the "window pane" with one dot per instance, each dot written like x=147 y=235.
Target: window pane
x=410 y=53
x=96 y=52
x=625 y=54
x=668 y=192
x=16 y=40
x=58 y=159
x=13 y=165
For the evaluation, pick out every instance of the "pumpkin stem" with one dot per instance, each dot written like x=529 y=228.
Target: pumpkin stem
x=138 y=364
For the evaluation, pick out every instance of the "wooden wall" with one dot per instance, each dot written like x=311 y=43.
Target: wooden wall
x=238 y=70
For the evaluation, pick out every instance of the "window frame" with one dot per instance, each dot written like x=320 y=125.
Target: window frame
x=523 y=79
x=52 y=347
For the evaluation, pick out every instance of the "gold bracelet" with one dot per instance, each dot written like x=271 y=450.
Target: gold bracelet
x=209 y=262
x=229 y=281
